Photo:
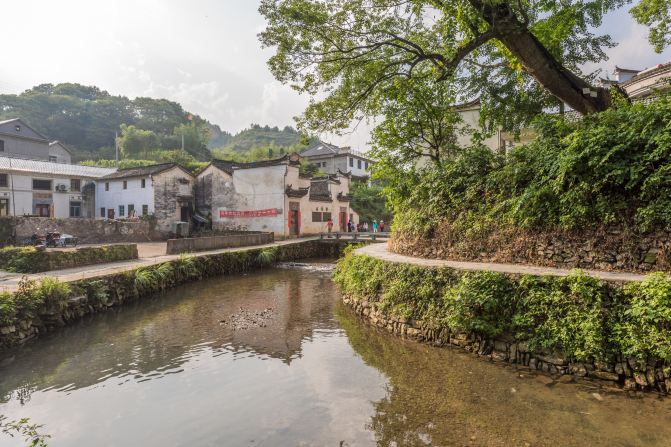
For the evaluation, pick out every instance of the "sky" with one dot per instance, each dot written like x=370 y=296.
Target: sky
x=204 y=54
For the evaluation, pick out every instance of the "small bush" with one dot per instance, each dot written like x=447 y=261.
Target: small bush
x=645 y=328
x=482 y=303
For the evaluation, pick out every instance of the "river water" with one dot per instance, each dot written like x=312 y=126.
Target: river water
x=273 y=359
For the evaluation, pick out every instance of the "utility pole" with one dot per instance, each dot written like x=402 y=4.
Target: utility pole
x=182 y=140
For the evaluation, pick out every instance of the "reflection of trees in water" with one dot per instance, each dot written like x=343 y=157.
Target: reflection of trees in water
x=156 y=337
x=445 y=397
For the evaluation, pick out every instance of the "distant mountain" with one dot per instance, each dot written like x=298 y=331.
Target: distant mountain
x=258 y=136
x=86 y=118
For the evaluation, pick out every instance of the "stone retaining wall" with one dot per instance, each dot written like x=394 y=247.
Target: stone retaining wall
x=627 y=373
x=88 y=231
x=186 y=245
x=610 y=249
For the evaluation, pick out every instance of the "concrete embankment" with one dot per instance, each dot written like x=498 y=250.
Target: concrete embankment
x=32 y=309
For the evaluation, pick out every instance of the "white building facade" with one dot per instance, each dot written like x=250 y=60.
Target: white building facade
x=45 y=189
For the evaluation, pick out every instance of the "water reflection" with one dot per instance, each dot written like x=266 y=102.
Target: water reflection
x=167 y=372
x=447 y=397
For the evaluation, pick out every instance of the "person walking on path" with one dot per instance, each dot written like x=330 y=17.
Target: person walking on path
x=329 y=225
x=382 y=226
x=375 y=226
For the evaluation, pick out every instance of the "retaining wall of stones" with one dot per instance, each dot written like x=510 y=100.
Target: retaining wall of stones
x=627 y=373
x=610 y=249
x=186 y=245
x=13 y=230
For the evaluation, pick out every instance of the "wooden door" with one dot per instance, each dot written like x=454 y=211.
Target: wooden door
x=42 y=210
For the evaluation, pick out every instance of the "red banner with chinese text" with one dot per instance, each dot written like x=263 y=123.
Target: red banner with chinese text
x=229 y=214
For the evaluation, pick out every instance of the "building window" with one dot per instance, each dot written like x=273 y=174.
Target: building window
x=366 y=165
x=143 y=183
x=131 y=210
x=42 y=185
x=2 y=145
x=107 y=186
x=316 y=217
x=351 y=162
x=122 y=210
x=358 y=164
x=326 y=217
x=125 y=184
x=4 y=183
x=4 y=207
x=75 y=184
x=102 y=212
x=75 y=209
x=53 y=158
x=145 y=210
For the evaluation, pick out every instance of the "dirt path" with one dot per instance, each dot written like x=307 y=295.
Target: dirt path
x=381 y=251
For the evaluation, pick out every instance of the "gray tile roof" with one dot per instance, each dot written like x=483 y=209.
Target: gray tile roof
x=321 y=149
x=142 y=171
x=47 y=167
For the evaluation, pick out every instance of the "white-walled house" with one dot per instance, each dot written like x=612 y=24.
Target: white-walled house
x=46 y=189
x=164 y=191
x=332 y=159
x=272 y=196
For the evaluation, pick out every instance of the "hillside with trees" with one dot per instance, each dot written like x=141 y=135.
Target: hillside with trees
x=261 y=136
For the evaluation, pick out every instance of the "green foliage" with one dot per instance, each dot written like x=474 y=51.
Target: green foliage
x=86 y=118
x=578 y=317
x=264 y=137
x=611 y=167
x=32 y=298
x=360 y=59
x=369 y=202
x=656 y=14
x=481 y=303
x=23 y=428
x=571 y=314
x=645 y=328
x=31 y=260
x=136 y=143
x=267 y=256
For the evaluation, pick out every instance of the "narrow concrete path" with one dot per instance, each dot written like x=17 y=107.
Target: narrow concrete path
x=9 y=282
x=381 y=251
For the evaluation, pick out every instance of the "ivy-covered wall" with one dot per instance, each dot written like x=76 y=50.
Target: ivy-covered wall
x=576 y=325
x=32 y=260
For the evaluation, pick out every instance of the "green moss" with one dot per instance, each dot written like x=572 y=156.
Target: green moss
x=578 y=316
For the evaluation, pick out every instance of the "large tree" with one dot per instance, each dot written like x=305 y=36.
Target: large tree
x=516 y=56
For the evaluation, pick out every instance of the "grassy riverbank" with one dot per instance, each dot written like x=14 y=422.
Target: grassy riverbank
x=32 y=260
x=624 y=331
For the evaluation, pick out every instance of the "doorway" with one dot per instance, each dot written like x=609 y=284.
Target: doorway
x=294 y=219
x=342 y=220
x=42 y=210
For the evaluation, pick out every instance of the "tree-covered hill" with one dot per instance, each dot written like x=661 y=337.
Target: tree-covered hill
x=262 y=136
x=85 y=117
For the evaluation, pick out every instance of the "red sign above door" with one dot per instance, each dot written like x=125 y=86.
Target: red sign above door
x=228 y=214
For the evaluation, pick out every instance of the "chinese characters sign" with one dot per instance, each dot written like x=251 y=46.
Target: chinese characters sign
x=230 y=214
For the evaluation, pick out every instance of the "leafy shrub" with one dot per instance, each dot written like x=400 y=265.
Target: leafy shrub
x=481 y=303
x=569 y=315
x=612 y=167
x=645 y=328
x=31 y=260
x=578 y=316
